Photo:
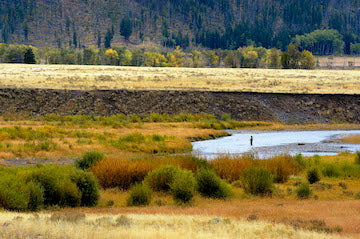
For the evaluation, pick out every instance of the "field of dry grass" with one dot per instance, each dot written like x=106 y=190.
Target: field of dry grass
x=143 y=78
x=351 y=139
x=56 y=226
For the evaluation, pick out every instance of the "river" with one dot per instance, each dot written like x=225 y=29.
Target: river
x=271 y=143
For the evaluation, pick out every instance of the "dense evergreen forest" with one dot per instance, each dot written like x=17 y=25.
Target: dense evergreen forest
x=213 y=24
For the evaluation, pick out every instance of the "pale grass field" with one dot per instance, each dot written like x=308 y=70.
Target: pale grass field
x=16 y=225
x=201 y=79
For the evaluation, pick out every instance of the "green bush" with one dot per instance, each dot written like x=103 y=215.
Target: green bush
x=357 y=158
x=88 y=159
x=31 y=188
x=183 y=187
x=313 y=175
x=70 y=194
x=303 y=191
x=140 y=194
x=36 y=197
x=88 y=186
x=300 y=160
x=257 y=181
x=330 y=170
x=210 y=185
x=17 y=194
x=161 y=179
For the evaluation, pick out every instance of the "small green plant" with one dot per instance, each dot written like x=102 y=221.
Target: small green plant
x=357 y=158
x=140 y=194
x=89 y=159
x=225 y=117
x=183 y=187
x=161 y=179
x=157 y=138
x=303 y=191
x=330 y=170
x=210 y=185
x=313 y=175
x=257 y=181
x=300 y=160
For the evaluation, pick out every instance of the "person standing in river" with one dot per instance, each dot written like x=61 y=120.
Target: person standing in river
x=251 y=140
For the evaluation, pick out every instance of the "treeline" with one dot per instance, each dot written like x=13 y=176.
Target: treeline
x=225 y=24
x=243 y=57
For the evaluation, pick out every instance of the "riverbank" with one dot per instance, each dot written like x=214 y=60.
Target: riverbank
x=285 y=108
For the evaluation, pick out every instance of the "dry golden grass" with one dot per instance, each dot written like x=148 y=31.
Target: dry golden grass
x=143 y=78
x=351 y=139
x=74 y=140
x=16 y=225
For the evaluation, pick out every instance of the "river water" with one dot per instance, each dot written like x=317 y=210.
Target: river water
x=270 y=143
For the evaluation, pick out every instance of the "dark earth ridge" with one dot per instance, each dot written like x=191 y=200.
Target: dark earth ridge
x=287 y=108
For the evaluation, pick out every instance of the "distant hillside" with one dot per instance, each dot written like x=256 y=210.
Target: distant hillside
x=224 y=24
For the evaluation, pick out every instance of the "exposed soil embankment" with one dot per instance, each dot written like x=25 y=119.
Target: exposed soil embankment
x=288 y=108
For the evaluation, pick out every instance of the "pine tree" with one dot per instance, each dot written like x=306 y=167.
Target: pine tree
x=75 y=39
x=108 y=38
x=29 y=56
x=125 y=28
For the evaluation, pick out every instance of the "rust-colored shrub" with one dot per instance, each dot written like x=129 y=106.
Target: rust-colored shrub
x=230 y=167
x=281 y=167
x=121 y=173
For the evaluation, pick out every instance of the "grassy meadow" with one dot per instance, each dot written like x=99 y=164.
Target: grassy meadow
x=127 y=149
x=149 y=78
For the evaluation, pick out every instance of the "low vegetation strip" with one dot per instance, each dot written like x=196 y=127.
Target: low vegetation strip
x=76 y=226
x=182 y=79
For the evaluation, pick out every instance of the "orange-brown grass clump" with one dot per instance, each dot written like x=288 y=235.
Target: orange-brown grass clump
x=351 y=139
x=121 y=173
x=184 y=161
x=230 y=167
x=281 y=167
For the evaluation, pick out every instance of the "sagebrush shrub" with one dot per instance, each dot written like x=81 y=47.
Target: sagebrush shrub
x=183 y=187
x=31 y=188
x=313 y=175
x=70 y=194
x=257 y=181
x=17 y=194
x=210 y=185
x=88 y=186
x=303 y=191
x=89 y=159
x=57 y=185
x=140 y=194
x=161 y=178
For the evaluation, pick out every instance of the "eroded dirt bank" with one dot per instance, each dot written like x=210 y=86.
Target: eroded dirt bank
x=287 y=108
